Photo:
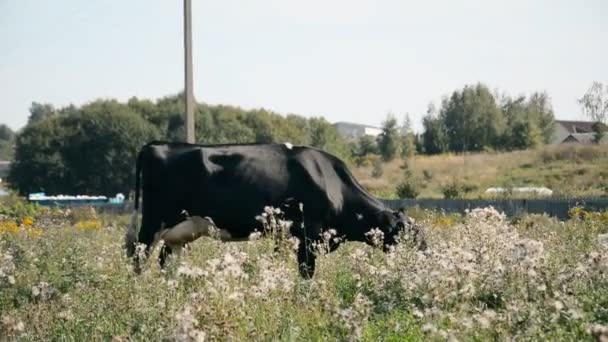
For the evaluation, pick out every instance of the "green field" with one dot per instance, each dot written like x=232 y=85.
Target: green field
x=568 y=170
x=64 y=276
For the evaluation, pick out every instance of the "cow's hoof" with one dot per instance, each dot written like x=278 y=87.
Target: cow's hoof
x=306 y=272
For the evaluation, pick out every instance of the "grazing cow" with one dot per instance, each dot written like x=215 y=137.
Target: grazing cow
x=232 y=184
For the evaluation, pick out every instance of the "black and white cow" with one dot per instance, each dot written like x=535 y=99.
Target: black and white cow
x=232 y=183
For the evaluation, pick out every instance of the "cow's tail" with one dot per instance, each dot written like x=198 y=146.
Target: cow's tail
x=131 y=236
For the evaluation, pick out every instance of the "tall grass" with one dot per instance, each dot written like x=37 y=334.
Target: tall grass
x=483 y=278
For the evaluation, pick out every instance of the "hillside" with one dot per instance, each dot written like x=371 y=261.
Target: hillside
x=569 y=170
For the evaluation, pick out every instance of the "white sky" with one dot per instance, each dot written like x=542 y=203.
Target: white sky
x=345 y=60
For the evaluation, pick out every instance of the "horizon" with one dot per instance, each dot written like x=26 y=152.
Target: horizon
x=345 y=61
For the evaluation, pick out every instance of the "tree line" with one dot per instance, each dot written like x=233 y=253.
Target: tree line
x=91 y=148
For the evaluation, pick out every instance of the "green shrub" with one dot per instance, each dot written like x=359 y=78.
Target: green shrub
x=407 y=189
x=428 y=174
x=452 y=190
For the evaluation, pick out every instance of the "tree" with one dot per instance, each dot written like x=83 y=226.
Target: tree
x=434 y=138
x=6 y=142
x=6 y=133
x=595 y=105
x=408 y=139
x=324 y=135
x=525 y=134
x=39 y=112
x=89 y=152
x=365 y=145
x=472 y=119
x=388 y=140
x=540 y=110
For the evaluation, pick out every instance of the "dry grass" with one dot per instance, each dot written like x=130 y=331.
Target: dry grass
x=569 y=170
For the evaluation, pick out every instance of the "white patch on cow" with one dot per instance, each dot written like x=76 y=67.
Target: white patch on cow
x=288 y=145
x=301 y=205
x=359 y=216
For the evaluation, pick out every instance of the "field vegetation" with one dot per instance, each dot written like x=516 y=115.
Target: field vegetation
x=64 y=276
x=568 y=170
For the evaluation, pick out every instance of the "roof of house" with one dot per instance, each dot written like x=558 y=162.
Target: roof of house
x=577 y=126
x=583 y=138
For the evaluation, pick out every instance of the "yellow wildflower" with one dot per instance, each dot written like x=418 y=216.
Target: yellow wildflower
x=9 y=227
x=34 y=232
x=92 y=224
x=27 y=221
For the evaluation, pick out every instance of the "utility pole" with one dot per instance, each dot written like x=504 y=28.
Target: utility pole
x=188 y=92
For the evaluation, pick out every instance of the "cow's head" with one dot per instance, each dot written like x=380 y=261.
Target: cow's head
x=393 y=223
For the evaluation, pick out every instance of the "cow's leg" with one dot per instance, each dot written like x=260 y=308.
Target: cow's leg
x=308 y=235
x=165 y=252
x=172 y=216
x=292 y=211
x=150 y=225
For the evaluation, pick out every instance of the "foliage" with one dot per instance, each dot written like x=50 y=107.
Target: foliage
x=428 y=174
x=89 y=151
x=452 y=190
x=6 y=142
x=365 y=145
x=595 y=102
x=570 y=170
x=388 y=140
x=434 y=138
x=474 y=119
x=408 y=188
x=408 y=139
x=377 y=170
x=49 y=150
x=40 y=112
x=6 y=133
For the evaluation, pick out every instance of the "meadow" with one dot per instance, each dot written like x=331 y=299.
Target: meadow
x=568 y=170
x=64 y=276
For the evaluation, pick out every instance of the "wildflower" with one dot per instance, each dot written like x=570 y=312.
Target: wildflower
x=43 y=291
x=558 y=305
x=255 y=236
x=187 y=329
x=600 y=332
x=27 y=221
x=90 y=224
x=376 y=236
x=11 y=326
x=428 y=328
x=66 y=315
x=602 y=239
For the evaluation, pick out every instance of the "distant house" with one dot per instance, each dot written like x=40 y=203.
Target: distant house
x=351 y=130
x=580 y=132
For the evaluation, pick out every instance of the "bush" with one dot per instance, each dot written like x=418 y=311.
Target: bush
x=451 y=190
x=407 y=189
x=469 y=187
x=377 y=171
x=428 y=174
